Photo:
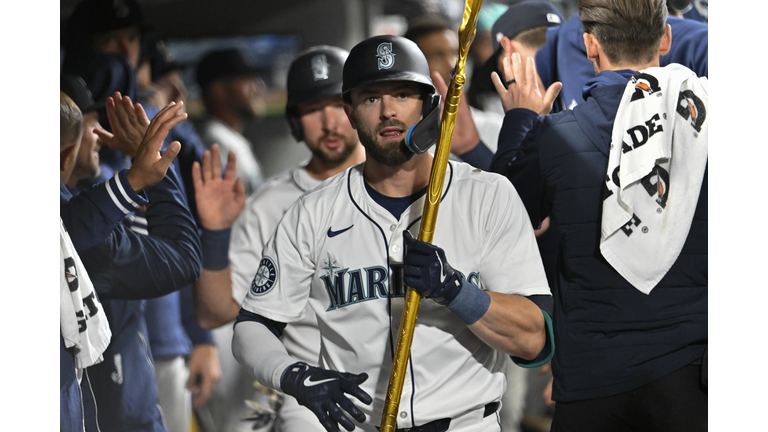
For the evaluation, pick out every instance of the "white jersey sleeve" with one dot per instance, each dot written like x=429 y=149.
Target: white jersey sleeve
x=257 y=222
x=280 y=288
x=510 y=260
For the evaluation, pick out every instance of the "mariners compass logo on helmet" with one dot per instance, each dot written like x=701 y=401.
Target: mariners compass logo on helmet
x=385 y=55
x=319 y=67
x=265 y=277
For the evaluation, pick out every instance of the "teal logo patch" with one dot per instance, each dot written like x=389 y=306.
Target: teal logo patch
x=265 y=277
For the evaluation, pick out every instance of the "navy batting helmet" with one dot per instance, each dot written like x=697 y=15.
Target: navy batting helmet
x=395 y=58
x=315 y=74
x=385 y=58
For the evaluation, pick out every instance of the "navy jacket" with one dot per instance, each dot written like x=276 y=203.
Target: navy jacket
x=128 y=265
x=135 y=266
x=610 y=337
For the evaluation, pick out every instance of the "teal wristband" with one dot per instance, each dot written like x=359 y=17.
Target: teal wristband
x=546 y=353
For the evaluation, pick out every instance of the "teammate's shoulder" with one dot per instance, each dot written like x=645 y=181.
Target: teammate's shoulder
x=473 y=183
x=333 y=186
x=273 y=185
x=463 y=171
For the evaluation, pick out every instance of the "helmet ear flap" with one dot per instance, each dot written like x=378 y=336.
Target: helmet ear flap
x=424 y=134
x=295 y=124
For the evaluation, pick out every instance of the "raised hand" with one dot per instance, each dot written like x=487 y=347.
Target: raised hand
x=523 y=86
x=324 y=392
x=149 y=167
x=128 y=122
x=219 y=200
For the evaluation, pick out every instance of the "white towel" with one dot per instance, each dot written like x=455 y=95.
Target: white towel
x=655 y=169
x=84 y=325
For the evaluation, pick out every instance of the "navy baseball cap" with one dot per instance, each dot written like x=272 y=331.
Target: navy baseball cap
x=77 y=90
x=223 y=64
x=524 y=16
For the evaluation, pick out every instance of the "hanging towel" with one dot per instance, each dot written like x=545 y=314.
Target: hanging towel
x=84 y=325
x=655 y=170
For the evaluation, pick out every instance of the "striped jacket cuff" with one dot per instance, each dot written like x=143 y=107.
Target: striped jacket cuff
x=122 y=195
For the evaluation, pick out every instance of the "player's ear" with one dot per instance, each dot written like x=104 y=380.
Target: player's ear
x=666 y=41
x=67 y=155
x=507 y=44
x=514 y=46
x=350 y=114
x=591 y=43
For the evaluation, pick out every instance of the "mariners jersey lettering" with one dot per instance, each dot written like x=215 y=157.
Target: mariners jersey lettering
x=352 y=280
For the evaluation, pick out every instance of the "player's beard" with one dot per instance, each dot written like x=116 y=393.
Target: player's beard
x=336 y=156
x=391 y=154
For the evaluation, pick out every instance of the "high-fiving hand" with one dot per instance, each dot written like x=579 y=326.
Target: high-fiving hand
x=128 y=122
x=522 y=86
x=219 y=199
x=149 y=167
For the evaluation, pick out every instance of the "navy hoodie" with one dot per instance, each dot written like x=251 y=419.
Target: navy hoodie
x=610 y=337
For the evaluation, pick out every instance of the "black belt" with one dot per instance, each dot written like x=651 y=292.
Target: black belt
x=442 y=425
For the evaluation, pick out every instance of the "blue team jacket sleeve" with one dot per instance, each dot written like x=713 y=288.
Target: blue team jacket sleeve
x=141 y=266
x=91 y=215
x=197 y=335
x=479 y=157
x=516 y=125
x=518 y=159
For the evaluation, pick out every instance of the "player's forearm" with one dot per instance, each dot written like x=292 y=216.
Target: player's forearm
x=512 y=324
x=213 y=299
x=171 y=224
x=260 y=352
x=92 y=215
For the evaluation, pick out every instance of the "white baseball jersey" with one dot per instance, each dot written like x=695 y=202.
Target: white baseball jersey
x=251 y=231
x=339 y=251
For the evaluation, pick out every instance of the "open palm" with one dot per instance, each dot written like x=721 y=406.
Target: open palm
x=219 y=199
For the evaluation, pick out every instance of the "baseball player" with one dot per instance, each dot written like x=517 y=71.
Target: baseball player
x=315 y=114
x=339 y=250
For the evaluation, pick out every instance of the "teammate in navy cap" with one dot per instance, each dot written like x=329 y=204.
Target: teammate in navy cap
x=521 y=29
x=98 y=26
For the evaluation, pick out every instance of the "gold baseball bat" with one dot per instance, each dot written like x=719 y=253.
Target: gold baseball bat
x=429 y=216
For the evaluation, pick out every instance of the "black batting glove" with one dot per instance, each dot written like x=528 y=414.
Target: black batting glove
x=323 y=392
x=427 y=271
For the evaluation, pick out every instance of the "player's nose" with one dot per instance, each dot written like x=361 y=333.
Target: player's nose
x=330 y=118
x=388 y=107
